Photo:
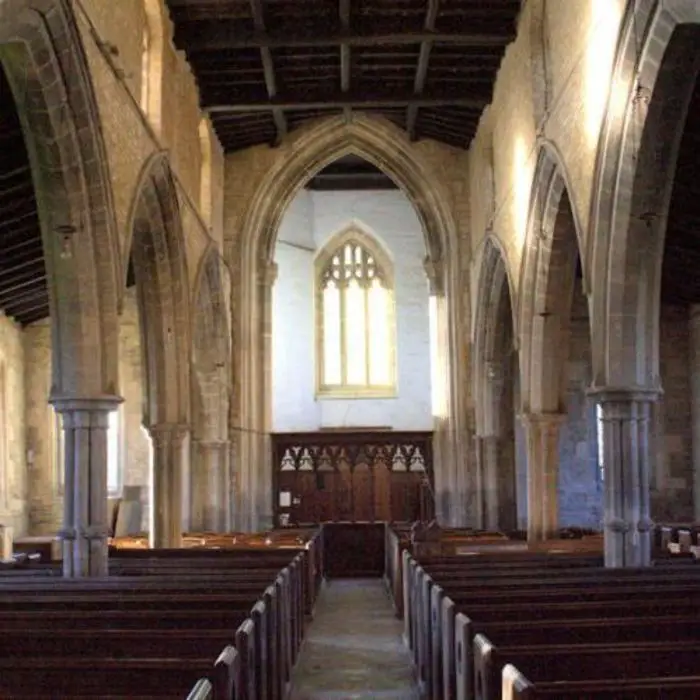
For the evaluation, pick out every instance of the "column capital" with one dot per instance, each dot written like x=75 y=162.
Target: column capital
x=267 y=273
x=624 y=394
x=213 y=444
x=163 y=432
x=69 y=404
x=436 y=277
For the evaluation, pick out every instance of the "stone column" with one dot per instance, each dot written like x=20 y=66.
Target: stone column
x=490 y=451
x=85 y=522
x=213 y=485
x=497 y=509
x=168 y=458
x=542 y=438
x=626 y=451
x=694 y=337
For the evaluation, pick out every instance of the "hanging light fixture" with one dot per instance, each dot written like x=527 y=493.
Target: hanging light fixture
x=65 y=233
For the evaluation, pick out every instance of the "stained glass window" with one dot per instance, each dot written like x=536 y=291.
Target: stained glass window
x=356 y=318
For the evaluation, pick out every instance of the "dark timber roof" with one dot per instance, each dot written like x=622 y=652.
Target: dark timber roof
x=23 y=289
x=265 y=67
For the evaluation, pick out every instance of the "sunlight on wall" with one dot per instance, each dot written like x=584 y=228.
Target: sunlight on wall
x=205 y=174
x=603 y=30
x=522 y=179
x=151 y=490
x=438 y=345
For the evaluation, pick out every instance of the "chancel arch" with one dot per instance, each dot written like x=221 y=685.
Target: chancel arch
x=155 y=253
x=382 y=145
x=496 y=387
x=559 y=419
x=211 y=492
x=641 y=223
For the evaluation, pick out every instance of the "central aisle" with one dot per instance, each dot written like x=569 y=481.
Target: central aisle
x=353 y=648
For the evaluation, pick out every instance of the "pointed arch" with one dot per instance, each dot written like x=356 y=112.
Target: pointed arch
x=654 y=72
x=384 y=145
x=211 y=352
x=155 y=243
x=494 y=333
x=547 y=281
x=40 y=45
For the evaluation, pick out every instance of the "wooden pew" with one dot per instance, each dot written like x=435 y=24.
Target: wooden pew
x=585 y=662
x=181 y=587
x=432 y=627
x=86 y=677
x=516 y=686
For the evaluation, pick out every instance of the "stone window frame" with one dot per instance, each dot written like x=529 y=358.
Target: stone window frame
x=58 y=443
x=354 y=234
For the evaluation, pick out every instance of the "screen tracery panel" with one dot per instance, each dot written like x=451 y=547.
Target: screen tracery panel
x=352 y=476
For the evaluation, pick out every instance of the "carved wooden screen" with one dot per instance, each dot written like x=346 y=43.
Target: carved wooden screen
x=352 y=476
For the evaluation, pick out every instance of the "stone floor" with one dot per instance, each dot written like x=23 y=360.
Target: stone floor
x=353 y=648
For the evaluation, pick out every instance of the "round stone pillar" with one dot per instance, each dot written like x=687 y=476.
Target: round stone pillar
x=168 y=461
x=542 y=440
x=626 y=451
x=85 y=520
x=212 y=490
x=694 y=357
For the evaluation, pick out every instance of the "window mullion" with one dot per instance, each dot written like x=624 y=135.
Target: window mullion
x=343 y=342
x=368 y=332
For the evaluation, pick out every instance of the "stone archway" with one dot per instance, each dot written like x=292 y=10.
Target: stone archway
x=211 y=378
x=40 y=46
x=496 y=385
x=382 y=144
x=653 y=79
x=157 y=249
x=555 y=358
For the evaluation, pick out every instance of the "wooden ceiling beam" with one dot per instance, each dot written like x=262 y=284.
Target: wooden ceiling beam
x=431 y=13
x=344 y=14
x=256 y=7
x=364 y=100
x=219 y=37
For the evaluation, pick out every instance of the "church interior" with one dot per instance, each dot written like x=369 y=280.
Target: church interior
x=349 y=349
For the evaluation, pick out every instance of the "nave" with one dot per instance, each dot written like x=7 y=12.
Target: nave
x=449 y=615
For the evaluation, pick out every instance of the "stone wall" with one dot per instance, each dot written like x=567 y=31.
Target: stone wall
x=672 y=467
x=580 y=486
x=44 y=492
x=13 y=455
x=561 y=71
x=310 y=221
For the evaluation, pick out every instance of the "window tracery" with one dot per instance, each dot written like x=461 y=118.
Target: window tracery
x=355 y=298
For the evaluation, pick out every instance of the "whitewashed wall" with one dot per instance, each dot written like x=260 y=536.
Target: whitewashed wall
x=312 y=218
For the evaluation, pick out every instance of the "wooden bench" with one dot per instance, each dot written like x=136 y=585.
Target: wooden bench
x=584 y=662
x=488 y=600
x=135 y=625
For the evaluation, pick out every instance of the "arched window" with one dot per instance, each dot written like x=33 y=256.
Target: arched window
x=355 y=318
x=114 y=452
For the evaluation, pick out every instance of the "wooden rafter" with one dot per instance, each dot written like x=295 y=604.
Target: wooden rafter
x=338 y=101
x=219 y=37
x=344 y=13
x=411 y=62
x=431 y=14
x=268 y=70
